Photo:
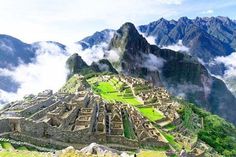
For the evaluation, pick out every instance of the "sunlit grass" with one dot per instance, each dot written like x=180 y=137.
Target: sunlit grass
x=110 y=93
x=22 y=153
x=150 y=153
x=151 y=114
x=6 y=145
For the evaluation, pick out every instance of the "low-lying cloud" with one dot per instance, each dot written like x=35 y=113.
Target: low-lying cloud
x=152 y=62
x=177 y=47
x=95 y=53
x=230 y=64
x=48 y=71
x=150 y=39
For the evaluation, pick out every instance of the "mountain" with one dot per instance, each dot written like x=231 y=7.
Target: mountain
x=76 y=65
x=103 y=65
x=181 y=74
x=13 y=52
x=97 y=38
x=206 y=38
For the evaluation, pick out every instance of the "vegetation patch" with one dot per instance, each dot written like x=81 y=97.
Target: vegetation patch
x=151 y=113
x=6 y=145
x=128 y=129
x=22 y=148
x=170 y=127
x=217 y=132
x=170 y=138
x=149 y=153
x=111 y=93
x=21 y=153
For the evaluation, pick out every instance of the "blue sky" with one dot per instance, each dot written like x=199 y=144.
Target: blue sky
x=71 y=20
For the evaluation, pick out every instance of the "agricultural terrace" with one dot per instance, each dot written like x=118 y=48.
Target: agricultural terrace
x=113 y=90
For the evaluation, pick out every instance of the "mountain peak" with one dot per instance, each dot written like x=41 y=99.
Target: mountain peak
x=127 y=37
x=75 y=64
x=129 y=29
x=128 y=25
x=184 y=20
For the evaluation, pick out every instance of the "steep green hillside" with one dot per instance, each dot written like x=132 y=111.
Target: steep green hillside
x=216 y=132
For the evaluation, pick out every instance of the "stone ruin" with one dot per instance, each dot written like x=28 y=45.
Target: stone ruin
x=61 y=119
x=151 y=96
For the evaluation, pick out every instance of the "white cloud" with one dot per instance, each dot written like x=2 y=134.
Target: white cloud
x=182 y=89
x=230 y=63
x=6 y=97
x=177 y=47
x=210 y=11
x=152 y=62
x=47 y=72
x=178 y=2
x=63 y=21
x=150 y=39
x=95 y=53
x=103 y=67
x=201 y=61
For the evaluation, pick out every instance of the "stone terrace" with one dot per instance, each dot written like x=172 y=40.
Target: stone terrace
x=75 y=119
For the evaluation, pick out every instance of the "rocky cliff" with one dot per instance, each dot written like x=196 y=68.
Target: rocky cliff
x=181 y=74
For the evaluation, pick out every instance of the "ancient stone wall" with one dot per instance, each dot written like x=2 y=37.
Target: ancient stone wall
x=70 y=117
x=4 y=126
x=41 y=131
x=122 y=141
x=34 y=108
x=149 y=141
x=43 y=112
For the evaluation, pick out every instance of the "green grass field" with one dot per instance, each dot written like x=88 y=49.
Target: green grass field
x=22 y=153
x=110 y=93
x=149 y=153
x=151 y=113
x=6 y=145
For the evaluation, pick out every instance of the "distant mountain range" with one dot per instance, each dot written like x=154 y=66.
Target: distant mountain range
x=14 y=52
x=206 y=39
x=183 y=74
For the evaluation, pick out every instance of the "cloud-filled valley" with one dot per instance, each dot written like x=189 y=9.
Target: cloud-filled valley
x=47 y=71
